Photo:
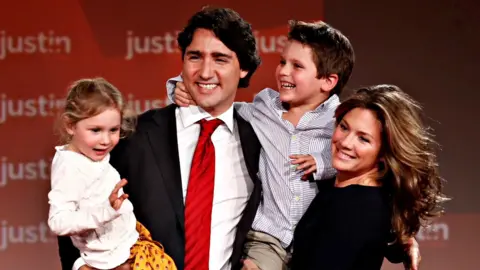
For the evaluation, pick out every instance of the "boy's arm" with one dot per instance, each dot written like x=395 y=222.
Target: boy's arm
x=245 y=110
x=323 y=158
x=262 y=104
x=171 y=83
x=323 y=161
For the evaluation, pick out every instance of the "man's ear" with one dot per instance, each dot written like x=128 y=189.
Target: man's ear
x=329 y=82
x=243 y=73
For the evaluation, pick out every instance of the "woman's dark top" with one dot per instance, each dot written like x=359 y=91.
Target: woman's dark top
x=345 y=228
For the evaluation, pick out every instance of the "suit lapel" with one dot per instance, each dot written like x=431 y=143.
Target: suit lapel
x=165 y=148
x=250 y=146
x=251 y=154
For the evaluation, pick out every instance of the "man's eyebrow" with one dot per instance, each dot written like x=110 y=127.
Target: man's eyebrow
x=220 y=54
x=193 y=52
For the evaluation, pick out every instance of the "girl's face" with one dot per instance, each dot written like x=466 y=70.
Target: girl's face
x=96 y=136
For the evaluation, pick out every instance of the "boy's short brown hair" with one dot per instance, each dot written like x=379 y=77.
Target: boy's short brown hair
x=332 y=51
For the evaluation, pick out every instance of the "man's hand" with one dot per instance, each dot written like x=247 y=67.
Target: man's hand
x=306 y=163
x=413 y=251
x=181 y=96
x=86 y=267
x=249 y=265
x=115 y=201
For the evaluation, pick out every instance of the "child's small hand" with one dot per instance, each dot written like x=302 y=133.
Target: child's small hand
x=115 y=201
x=306 y=163
x=182 y=97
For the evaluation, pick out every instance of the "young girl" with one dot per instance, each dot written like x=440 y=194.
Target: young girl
x=86 y=200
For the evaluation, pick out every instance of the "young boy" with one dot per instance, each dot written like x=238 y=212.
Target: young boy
x=294 y=126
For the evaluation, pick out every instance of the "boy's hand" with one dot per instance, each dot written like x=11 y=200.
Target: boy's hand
x=181 y=96
x=115 y=201
x=306 y=163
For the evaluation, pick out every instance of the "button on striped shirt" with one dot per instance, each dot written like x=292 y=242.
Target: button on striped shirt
x=285 y=196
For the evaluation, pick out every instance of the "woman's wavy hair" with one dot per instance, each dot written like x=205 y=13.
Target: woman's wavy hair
x=409 y=168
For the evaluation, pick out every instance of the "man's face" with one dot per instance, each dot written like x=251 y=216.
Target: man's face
x=211 y=72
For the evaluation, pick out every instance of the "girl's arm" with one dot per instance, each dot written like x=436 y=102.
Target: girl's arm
x=65 y=217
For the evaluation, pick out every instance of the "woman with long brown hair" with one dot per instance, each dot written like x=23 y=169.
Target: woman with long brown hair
x=386 y=188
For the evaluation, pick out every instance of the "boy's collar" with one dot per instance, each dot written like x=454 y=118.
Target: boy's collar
x=330 y=104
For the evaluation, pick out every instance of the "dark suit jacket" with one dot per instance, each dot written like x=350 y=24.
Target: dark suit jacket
x=149 y=160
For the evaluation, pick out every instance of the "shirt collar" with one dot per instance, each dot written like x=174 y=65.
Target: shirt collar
x=330 y=104
x=192 y=114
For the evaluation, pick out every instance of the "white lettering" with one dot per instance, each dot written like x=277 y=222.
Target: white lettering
x=434 y=232
x=270 y=44
x=23 y=171
x=167 y=43
x=44 y=105
x=41 y=43
x=140 y=106
x=27 y=234
x=48 y=105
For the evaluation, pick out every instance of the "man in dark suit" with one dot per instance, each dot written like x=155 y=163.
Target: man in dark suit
x=161 y=160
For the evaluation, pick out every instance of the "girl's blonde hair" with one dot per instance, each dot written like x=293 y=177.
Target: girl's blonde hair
x=89 y=97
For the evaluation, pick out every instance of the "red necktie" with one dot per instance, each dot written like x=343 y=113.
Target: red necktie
x=198 y=203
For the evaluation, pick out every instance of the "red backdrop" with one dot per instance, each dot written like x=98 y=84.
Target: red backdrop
x=45 y=45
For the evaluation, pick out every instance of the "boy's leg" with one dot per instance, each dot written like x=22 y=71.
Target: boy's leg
x=265 y=251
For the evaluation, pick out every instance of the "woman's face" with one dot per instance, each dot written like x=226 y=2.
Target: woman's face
x=356 y=142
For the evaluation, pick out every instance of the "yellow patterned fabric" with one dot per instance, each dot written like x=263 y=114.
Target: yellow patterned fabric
x=148 y=254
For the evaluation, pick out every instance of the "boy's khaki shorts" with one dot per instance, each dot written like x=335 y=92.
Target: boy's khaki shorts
x=266 y=251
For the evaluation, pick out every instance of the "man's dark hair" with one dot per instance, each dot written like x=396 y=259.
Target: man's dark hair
x=232 y=30
x=332 y=52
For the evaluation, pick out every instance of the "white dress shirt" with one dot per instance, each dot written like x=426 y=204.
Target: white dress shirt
x=79 y=207
x=233 y=185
